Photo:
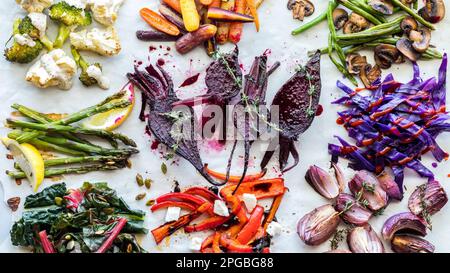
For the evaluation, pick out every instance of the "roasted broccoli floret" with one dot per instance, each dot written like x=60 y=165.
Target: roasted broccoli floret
x=26 y=27
x=22 y=53
x=69 y=17
x=91 y=74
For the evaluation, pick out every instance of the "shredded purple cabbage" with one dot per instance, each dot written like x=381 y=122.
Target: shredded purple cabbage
x=395 y=125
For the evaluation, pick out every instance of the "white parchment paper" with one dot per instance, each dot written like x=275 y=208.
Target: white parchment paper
x=276 y=24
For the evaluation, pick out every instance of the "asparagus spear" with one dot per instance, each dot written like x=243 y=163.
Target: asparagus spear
x=50 y=127
x=61 y=171
x=109 y=160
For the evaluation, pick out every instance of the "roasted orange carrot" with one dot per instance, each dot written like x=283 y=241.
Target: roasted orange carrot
x=223 y=28
x=215 y=4
x=252 y=6
x=235 y=178
x=158 y=22
x=191 y=18
x=258 y=3
x=174 y=4
x=236 y=28
x=216 y=243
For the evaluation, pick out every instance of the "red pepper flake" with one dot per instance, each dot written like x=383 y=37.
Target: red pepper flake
x=340 y=121
x=154 y=145
x=191 y=80
x=13 y=203
x=151 y=48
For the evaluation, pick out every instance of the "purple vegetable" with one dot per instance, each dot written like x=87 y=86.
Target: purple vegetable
x=154 y=35
x=297 y=101
x=351 y=210
x=427 y=199
x=404 y=222
x=173 y=17
x=158 y=94
x=394 y=126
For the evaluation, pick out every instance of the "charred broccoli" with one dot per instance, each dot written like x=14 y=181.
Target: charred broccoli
x=22 y=52
x=26 y=27
x=91 y=74
x=69 y=17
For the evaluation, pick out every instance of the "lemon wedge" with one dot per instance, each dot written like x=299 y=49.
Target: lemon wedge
x=112 y=119
x=29 y=159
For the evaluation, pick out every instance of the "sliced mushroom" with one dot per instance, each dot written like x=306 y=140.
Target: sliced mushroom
x=340 y=17
x=385 y=55
x=355 y=23
x=369 y=74
x=408 y=24
x=421 y=39
x=433 y=11
x=355 y=62
x=300 y=8
x=407 y=2
x=405 y=46
x=382 y=6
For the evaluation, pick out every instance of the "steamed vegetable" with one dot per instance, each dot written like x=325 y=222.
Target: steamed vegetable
x=158 y=22
x=191 y=18
x=192 y=39
x=89 y=219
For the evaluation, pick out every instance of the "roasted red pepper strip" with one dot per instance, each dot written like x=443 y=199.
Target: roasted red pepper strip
x=45 y=242
x=266 y=250
x=167 y=229
x=233 y=202
x=216 y=243
x=251 y=228
x=114 y=233
x=209 y=223
x=166 y=204
x=235 y=178
x=179 y=196
x=261 y=189
x=203 y=192
x=233 y=245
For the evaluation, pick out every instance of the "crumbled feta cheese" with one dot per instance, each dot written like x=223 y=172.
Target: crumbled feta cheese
x=250 y=201
x=274 y=229
x=94 y=71
x=172 y=214
x=196 y=244
x=220 y=208
x=24 y=39
x=39 y=21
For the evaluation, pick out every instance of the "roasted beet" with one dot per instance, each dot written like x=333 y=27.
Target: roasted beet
x=297 y=100
x=158 y=94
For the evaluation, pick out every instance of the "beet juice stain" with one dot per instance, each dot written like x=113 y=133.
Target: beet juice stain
x=190 y=80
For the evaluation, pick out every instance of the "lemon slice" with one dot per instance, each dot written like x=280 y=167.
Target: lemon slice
x=29 y=159
x=112 y=119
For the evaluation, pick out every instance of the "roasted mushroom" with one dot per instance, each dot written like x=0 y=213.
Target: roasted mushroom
x=355 y=63
x=300 y=8
x=340 y=17
x=355 y=23
x=407 y=2
x=405 y=46
x=369 y=74
x=408 y=24
x=382 y=6
x=385 y=55
x=433 y=11
x=421 y=39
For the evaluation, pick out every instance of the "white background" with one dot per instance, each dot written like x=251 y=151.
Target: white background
x=276 y=24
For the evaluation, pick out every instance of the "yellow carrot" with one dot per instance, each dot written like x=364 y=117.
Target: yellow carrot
x=191 y=18
x=235 y=33
x=251 y=4
x=174 y=4
x=223 y=28
x=258 y=3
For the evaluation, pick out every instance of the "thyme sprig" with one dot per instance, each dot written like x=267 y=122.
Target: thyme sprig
x=176 y=133
x=338 y=237
x=423 y=205
x=217 y=55
x=359 y=199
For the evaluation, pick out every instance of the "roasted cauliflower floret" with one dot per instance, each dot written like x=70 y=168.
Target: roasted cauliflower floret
x=53 y=69
x=103 y=41
x=34 y=5
x=105 y=11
